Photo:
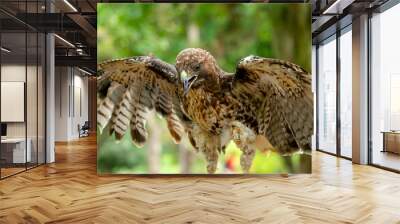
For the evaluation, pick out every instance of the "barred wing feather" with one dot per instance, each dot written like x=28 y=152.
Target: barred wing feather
x=128 y=88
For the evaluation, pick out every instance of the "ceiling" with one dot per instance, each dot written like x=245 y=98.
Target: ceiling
x=74 y=22
x=332 y=15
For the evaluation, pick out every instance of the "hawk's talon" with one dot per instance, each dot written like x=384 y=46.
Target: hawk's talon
x=212 y=167
x=246 y=159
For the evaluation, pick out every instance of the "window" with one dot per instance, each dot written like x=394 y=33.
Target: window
x=346 y=92
x=385 y=88
x=22 y=77
x=327 y=95
x=328 y=112
x=314 y=90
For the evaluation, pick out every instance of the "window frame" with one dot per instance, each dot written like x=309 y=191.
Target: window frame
x=380 y=9
x=31 y=30
x=339 y=32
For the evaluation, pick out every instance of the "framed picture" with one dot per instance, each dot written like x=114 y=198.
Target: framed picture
x=204 y=88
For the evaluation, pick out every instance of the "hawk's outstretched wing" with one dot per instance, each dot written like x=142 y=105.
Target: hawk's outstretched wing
x=276 y=101
x=128 y=88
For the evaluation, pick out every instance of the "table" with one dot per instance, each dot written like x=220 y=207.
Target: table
x=391 y=141
x=16 y=147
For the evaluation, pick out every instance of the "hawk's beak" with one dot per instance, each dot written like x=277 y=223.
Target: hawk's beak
x=188 y=82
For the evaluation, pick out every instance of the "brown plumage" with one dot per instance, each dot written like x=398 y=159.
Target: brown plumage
x=265 y=102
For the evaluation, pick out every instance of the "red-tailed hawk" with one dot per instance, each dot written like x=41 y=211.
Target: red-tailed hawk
x=266 y=101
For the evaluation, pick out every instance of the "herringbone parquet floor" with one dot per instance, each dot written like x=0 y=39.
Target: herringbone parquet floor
x=70 y=191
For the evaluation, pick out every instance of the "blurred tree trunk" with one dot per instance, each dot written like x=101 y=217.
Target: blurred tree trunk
x=305 y=165
x=288 y=40
x=287 y=160
x=185 y=157
x=153 y=151
x=193 y=34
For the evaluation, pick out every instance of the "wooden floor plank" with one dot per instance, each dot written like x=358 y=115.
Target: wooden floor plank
x=70 y=191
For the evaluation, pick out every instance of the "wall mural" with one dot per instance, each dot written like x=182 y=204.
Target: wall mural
x=230 y=83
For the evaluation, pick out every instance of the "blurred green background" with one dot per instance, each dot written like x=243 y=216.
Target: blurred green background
x=229 y=32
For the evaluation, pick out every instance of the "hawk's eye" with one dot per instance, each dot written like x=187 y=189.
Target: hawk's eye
x=197 y=67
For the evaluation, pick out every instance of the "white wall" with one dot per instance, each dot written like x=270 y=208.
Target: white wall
x=80 y=100
x=61 y=103
x=13 y=73
x=70 y=84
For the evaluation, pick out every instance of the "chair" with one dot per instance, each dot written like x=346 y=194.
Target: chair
x=84 y=130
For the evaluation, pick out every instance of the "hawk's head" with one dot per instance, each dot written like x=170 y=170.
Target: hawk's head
x=197 y=67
